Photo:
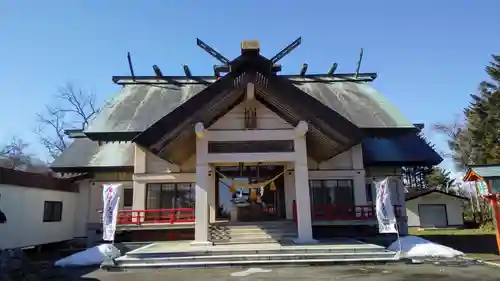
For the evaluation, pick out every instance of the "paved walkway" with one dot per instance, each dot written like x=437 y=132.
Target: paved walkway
x=393 y=272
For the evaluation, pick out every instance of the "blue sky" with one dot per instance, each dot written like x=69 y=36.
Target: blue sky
x=429 y=54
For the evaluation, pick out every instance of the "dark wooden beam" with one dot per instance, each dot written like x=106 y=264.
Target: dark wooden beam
x=157 y=71
x=303 y=70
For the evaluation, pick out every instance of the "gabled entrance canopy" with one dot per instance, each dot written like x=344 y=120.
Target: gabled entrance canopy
x=172 y=137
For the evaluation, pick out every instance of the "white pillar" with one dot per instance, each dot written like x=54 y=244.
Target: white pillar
x=289 y=190
x=139 y=191
x=303 y=201
x=212 y=185
x=201 y=191
x=359 y=180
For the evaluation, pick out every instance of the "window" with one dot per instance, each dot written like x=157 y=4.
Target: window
x=250 y=118
x=52 y=211
x=394 y=187
x=128 y=198
x=3 y=217
x=170 y=195
x=494 y=185
x=332 y=192
x=369 y=193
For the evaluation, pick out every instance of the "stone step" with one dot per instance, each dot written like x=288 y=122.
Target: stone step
x=242 y=259
x=247 y=228
x=262 y=234
x=236 y=241
x=251 y=234
x=253 y=231
x=257 y=226
x=267 y=250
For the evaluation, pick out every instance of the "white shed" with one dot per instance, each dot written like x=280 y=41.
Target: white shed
x=35 y=209
x=434 y=209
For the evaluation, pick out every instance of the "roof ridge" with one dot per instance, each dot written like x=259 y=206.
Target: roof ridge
x=308 y=78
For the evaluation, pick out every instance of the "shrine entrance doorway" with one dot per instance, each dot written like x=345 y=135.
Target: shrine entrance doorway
x=264 y=203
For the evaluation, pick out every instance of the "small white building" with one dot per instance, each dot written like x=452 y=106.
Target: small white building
x=35 y=209
x=434 y=209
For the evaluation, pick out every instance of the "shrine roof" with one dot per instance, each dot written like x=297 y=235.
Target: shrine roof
x=482 y=171
x=83 y=154
x=139 y=105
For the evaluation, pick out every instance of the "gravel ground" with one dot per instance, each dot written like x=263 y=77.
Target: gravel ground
x=389 y=272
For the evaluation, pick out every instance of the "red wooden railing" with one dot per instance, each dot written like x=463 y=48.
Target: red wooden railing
x=139 y=217
x=184 y=215
x=343 y=212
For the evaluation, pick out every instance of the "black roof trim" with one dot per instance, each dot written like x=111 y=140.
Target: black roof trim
x=389 y=132
x=75 y=133
x=78 y=170
x=416 y=194
x=400 y=163
x=112 y=136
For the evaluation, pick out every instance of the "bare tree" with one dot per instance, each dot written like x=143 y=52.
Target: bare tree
x=72 y=109
x=459 y=143
x=14 y=156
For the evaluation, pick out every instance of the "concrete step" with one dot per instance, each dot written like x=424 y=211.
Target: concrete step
x=236 y=241
x=253 y=229
x=247 y=240
x=257 y=236
x=298 y=250
x=264 y=234
x=242 y=259
x=252 y=232
x=275 y=226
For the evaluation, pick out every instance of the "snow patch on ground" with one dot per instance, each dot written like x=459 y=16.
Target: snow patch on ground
x=414 y=247
x=92 y=256
x=250 y=271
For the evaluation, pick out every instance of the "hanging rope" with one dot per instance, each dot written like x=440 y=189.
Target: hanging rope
x=236 y=184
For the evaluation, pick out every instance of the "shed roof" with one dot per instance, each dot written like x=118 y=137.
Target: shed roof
x=35 y=180
x=419 y=193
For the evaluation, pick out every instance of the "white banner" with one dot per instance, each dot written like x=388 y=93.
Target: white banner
x=384 y=208
x=111 y=199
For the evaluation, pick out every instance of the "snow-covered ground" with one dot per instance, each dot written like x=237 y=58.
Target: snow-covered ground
x=414 y=247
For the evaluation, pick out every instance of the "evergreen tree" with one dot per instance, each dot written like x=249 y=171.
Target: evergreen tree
x=483 y=118
x=477 y=139
x=441 y=179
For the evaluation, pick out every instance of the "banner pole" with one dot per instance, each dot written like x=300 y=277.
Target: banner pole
x=399 y=239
